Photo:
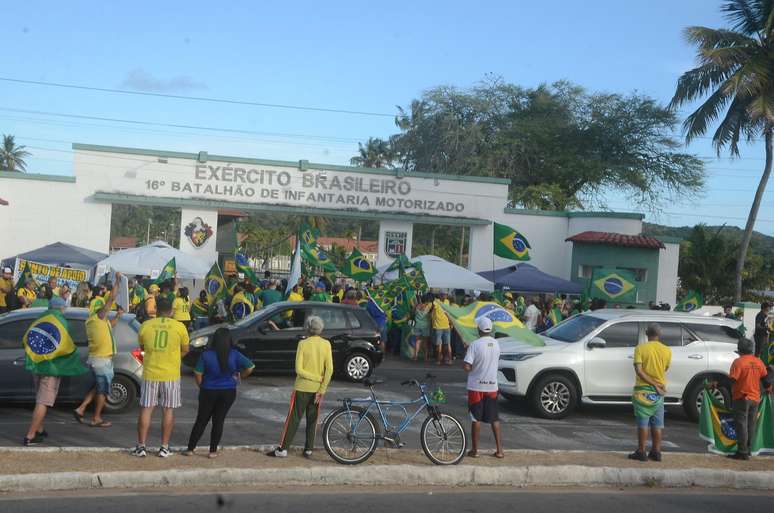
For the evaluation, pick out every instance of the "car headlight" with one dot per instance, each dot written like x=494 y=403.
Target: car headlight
x=199 y=342
x=518 y=357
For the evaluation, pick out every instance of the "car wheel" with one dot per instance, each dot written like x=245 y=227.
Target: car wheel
x=693 y=399
x=554 y=396
x=123 y=393
x=357 y=367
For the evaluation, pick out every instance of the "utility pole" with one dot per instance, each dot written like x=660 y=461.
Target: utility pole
x=147 y=236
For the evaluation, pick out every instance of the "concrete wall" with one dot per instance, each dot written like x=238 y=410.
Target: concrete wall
x=206 y=251
x=619 y=257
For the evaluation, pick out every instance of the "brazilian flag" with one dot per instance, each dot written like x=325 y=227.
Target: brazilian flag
x=167 y=273
x=317 y=257
x=49 y=347
x=243 y=266
x=308 y=235
x=241 y=306
x=25 y=277
x=199 y=309
x=692 y=301
x=357 y=267
x=646 y=401
x=401 y=263
x=716 y=425
x=509 y=243
x=613 y=285
x=214 y=284
x=503 y=322
x=554 y=317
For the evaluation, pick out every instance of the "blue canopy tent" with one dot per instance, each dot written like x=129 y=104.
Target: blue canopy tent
x=528 y=278
x=60 y=254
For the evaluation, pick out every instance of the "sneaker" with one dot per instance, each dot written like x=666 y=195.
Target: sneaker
x=164 y=452
x=279 y=452
x=139 y=451
x=654 y=456
x=638 y=456
x=308 y=454
x=35 y=440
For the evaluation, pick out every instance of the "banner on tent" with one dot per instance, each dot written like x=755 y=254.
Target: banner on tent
x=42 y=272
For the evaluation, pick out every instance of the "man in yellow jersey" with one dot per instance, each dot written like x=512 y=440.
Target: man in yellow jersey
x=27 y=294
x=314 y=368
x=102 y=348
x=441 y=331
x=6 y=287
x=150 y=303
x=165 y=342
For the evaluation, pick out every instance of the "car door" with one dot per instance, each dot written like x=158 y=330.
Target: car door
x=15 y=381
x=271 y=342
x=609 y=370
x=337 y=329
x=689 y=356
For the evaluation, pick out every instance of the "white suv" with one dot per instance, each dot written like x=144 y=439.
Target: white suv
x=588 y=358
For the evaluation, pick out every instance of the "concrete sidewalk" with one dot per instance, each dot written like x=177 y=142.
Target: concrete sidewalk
x=74 y=468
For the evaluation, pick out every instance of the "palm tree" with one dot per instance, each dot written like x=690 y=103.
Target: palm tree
x=12 y=156
x=374 y=153
x=736 y=68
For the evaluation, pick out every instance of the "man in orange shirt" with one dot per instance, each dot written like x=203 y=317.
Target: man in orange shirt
x=745 y=375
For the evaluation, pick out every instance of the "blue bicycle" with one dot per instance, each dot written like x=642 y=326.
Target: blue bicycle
x=350 y=434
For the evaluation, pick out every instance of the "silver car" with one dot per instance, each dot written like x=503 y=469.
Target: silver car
x=16 y=382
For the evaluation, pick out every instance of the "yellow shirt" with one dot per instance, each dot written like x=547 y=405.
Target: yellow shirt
x=99 y=333
x=314 y=365
x=150 y=306
x=162 y=339
x=27 y=294
x=295 y=297
x=655 y=358
x=5 y=287
x=181 y=309
x=440 y=321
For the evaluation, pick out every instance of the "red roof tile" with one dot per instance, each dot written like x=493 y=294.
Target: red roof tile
x=617 y=239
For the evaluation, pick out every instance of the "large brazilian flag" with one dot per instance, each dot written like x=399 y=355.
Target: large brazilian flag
x=716 y=425
x=357 y=267
x=692 y=301
x=509 y=243
x=215 y=285
x=49 y=348
x=613 y=285
x=503 y=322
x=167 y=273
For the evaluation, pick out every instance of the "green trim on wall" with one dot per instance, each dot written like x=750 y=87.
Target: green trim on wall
x=12 y=175
x=129 y=199
x=301 y=164
x=564 y=213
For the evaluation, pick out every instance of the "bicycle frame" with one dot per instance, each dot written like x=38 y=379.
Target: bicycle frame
x=422 y=401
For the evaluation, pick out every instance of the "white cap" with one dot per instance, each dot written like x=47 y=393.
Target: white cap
x=7 y=270
x=484 y=325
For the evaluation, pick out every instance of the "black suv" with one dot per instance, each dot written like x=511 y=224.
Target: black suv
x=269 y=337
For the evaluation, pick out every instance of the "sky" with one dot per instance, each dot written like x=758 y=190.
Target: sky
x=348 y=56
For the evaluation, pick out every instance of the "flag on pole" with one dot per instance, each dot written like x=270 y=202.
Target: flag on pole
x=167 y=273
x=25 y=276
x=613 y=285
x=295 y=268
x=49 y=347
x=214 y=284
x=509 y=243
x=317 y=257
x=692 y=301
x=243 y=266
x=465 y=318
x=716 y=425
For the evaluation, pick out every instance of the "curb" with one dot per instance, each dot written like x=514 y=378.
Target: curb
x=400 y=475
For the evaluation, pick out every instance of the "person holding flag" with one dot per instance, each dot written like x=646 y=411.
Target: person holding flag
x=6 y=288
x=50 y=354
x=26 y=292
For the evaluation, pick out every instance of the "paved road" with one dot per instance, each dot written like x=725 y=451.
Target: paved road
x=435 y=501
x=260 y=410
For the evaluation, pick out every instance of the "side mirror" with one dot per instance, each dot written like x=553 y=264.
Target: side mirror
x=596 y=343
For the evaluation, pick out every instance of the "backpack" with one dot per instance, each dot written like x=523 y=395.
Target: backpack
x=141 y=312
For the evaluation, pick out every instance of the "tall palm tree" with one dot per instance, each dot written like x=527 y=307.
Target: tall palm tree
x=736 y=69
x=12 y=156
x=374 y=153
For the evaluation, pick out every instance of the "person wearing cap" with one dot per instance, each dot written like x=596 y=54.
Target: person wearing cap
x=150 y=303
x=480 y=363
x=102 y=348
x=6 y=287
x=319 y=293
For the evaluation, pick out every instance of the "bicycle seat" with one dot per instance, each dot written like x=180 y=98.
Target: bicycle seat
x=369 y=382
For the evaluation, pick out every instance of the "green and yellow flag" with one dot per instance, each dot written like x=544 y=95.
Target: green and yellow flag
x=167 y=273
x=716 y=425
x=25 y=276
x=49 y=348
x=613 y=285
x=509 y=243
x=214 y=284
x=357 y=267
x=308 y=235
x=692 y=301
x=465 y=318
x=243 y=266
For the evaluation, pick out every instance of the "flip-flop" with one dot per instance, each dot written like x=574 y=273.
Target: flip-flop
x=499 y=455
x=78 y=418
x=101 y=424
x=472 y=454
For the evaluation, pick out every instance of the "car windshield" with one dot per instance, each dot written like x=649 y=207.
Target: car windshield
x=247 y=321
x=574 y=328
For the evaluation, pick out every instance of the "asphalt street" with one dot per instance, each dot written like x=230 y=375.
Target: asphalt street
x=261 y=406
x=429 y=501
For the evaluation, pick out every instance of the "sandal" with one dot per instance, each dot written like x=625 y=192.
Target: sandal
x=78 y=417
x=472 y=454
x=101 y=424
x=498 y=455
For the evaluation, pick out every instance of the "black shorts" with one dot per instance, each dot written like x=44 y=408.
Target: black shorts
x=482 y=406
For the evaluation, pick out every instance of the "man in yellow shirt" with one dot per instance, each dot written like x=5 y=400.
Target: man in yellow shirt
x=651 y=362
x=6 y=286
x=27 y=294
x=314 y=368
x=164 y=342
x=102 y=348
x=441 y=331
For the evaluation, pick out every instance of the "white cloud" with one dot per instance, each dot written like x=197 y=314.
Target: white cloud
x=140 y=80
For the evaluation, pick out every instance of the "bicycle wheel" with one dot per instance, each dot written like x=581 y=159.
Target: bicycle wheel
x=443 y=439
x=348 y=439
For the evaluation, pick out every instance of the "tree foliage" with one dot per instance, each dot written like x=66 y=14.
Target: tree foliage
x=561 y=146
x=12 y=156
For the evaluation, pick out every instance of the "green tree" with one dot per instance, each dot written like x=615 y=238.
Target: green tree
x=561 y=146
x=12 y=156
x=374 y=153
x=736 y=70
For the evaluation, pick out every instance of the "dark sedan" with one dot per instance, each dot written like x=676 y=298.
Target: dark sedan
x=269 y=337
x=16 y=382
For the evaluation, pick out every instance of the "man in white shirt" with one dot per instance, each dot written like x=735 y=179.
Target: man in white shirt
x=481 y=365
x=532 y=315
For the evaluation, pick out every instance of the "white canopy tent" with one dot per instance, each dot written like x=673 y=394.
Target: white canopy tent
x=441 y=274
x=150 y=260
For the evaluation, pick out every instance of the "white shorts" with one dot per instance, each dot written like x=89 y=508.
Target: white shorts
x=160 y=393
